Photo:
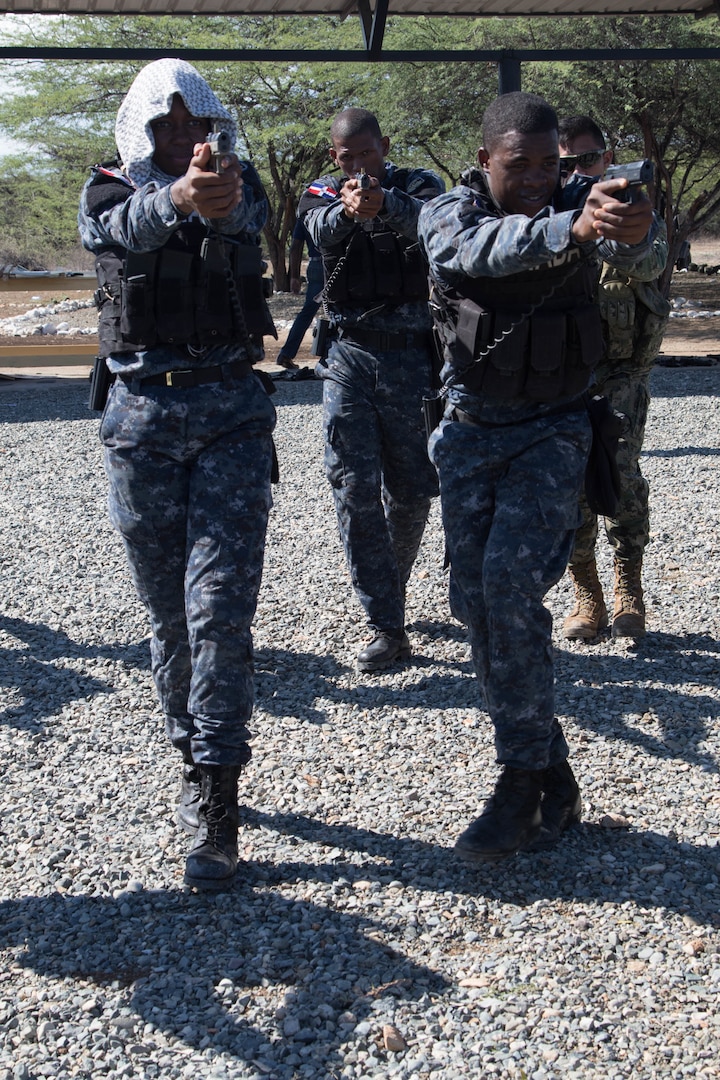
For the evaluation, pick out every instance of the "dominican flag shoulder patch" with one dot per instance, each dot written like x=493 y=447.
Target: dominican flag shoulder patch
x=322 y=191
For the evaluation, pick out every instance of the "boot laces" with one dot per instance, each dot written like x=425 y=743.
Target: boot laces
x=510 y=784
x=586 y=597
x=216 y=817
x=628 y=589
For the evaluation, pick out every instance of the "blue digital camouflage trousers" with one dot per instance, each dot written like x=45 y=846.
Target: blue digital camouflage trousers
x=509 y=497
x=189 y=473
x=377 y=463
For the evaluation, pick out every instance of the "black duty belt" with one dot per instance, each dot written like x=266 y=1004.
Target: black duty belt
x=576 y=405
x=188 y=377
x=384 y=340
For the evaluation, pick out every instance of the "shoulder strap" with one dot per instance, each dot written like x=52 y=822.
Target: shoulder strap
x=106 y=188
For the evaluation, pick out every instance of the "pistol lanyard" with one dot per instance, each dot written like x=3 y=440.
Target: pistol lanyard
x=254 y=354
x=504 y=334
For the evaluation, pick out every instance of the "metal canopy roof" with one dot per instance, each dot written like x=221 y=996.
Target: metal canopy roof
x=343 y=8
x=373 y=15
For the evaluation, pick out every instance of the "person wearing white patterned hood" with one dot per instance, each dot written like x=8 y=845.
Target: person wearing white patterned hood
x=187 y=427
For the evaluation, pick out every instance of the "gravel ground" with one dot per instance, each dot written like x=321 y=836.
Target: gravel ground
x=354 y=943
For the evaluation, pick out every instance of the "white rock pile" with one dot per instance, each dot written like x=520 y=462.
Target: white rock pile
x=51 y=319
x=682 y=308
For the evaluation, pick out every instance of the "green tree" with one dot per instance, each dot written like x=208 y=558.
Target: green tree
x=664 y=110
x=660 y=109
x=432 y=111
x=67 y=109
x=38 y=224
x=283 y=115
x=437 y=107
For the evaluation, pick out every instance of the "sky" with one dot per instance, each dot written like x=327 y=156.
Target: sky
x=11 y=146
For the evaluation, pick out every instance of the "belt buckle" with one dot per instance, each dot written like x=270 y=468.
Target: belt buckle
x=169 y=375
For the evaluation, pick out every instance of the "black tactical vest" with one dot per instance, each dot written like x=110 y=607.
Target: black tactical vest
x=540 y=355
x=181 y=293
x=373 y=264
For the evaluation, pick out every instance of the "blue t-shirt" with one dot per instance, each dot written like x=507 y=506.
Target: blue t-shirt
x=301 y=233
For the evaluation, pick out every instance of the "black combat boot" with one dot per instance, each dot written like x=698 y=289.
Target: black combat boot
x=385 y=648
x=561 y=805
x=510 y=819
x=190 y=794
x=212 y=860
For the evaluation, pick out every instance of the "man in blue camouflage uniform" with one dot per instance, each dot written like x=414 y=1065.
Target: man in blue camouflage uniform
x=634 y=314
x=187 y=428
x=378 y=369
x=514 y=283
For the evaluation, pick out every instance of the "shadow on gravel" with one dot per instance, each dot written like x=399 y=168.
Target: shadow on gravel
x=171 y=950
x=34 y=669
x=280 y=692
x=689 y=382
x=37 y=400
x=683 y=718
x=683 y=451
x=199 y=968
x=449 y=631
x=294 y=391
x=593 y=863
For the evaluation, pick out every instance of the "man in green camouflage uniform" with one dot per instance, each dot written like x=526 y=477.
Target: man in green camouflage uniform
x=635 y=316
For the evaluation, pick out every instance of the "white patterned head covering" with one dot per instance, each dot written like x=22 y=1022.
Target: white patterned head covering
x=151 y=96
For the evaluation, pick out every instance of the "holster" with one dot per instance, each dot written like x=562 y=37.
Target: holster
x=100 y=382
x=433 y=409
x=603 y=486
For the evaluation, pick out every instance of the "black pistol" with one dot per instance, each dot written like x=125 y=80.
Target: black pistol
x=364 y=180
x=638 y=174
x=220 y=146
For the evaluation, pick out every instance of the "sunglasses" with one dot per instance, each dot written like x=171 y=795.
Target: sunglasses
x=569 y=164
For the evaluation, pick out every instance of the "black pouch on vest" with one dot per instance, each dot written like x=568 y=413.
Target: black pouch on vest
x=321 y=338
x=506 y=365
x=356 y=278
x=213 y=318
x=388 y=271
x=472 y=333
x=433 y=409
x=414 y=270
x=137 y=301
x=547 y=356
x=584 y=348
x=602 y=476
x=175 y=297
x=247 y=269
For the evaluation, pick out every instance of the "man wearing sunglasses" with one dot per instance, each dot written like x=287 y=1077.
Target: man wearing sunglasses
x=584 y=162
x=635 y=316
